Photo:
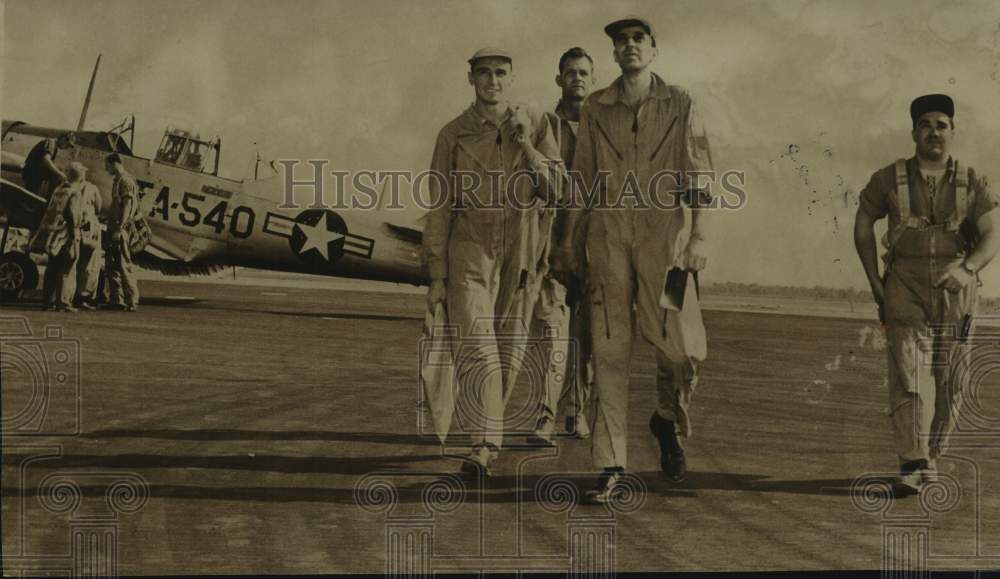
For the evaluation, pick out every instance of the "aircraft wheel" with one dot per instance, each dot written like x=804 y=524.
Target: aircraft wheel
x=17 y=273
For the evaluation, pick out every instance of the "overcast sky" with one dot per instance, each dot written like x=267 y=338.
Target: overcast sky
x=369 y=84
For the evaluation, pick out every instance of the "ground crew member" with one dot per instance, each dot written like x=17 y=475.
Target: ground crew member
x=59 y=237
x=91 y=255
x=942 y=230
x=40 y=173
x=558 y=317
x=637 y=128
x=123 y=289
x=483 y=245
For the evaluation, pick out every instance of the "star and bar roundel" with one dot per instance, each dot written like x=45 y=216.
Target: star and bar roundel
x=319 y=237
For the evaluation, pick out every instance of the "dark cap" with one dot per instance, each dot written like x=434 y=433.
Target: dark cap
x=491 y=53
x=931 y=103
x=631 y=20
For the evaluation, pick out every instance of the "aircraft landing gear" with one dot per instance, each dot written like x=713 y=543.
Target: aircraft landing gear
x=17 y=273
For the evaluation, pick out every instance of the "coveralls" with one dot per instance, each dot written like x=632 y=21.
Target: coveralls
x=123 y=289
x=488 y=245
x=59 y=237
x=561 y=327
x=91 y=258
x=924 y=397
x=632 y=242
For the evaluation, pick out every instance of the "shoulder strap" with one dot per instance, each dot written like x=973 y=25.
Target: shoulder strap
x=902 y=191
x=901 y=194
x=961 y=198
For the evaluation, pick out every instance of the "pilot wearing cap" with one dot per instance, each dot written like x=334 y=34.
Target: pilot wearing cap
x=631 y=133
x=942 y=231
x=483 y=240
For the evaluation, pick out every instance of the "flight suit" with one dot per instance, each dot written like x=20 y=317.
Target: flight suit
x=91 y=255
x=123 y=289
x=488 y=244
x=635 y=235
x=925 y=392
x=59 y=237
x=559 y=326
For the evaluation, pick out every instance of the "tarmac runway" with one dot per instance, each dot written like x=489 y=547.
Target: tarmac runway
x=259 y=429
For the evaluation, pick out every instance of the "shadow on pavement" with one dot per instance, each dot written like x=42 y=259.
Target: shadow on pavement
x=272 y=435
x=722 y=481
x=238 y=462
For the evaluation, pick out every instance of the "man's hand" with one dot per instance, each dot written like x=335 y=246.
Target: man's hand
x=522 y=126
x=877 y=286
x=71 y=251
x=694 y=255
x=955 y=279
x=437 y=294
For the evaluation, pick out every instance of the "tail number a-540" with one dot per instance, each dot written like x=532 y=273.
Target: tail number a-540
x=191 y=213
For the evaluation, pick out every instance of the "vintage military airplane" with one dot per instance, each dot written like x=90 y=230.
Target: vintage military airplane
x=202 y=222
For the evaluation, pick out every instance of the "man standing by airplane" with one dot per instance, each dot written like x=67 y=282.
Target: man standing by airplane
x=943 y=229
x=483 y=240
x=40 y=175
x=58 y=236
x=637 y=128
x=560 y=317
x=123 y=289
x=91 y=256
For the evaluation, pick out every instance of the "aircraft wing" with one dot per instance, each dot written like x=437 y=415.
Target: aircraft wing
x=155 y=260
x=22 y=207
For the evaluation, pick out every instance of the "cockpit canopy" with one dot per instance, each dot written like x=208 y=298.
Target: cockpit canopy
x=182 y=149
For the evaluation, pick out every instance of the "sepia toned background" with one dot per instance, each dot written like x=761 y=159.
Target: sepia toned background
x=368 y=85
x=246 y=414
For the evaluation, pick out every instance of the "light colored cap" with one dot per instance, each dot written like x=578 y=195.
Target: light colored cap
x=491 y=53
x=76 y=170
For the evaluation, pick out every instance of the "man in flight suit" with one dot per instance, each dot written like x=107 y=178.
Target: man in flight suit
x=943 y=228
x=632 y=132
x=558 y=316
x=483 y=241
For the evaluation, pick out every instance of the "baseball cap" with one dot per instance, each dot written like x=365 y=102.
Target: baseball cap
x=631 y=20
x=931 y=103
x=491 y=53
